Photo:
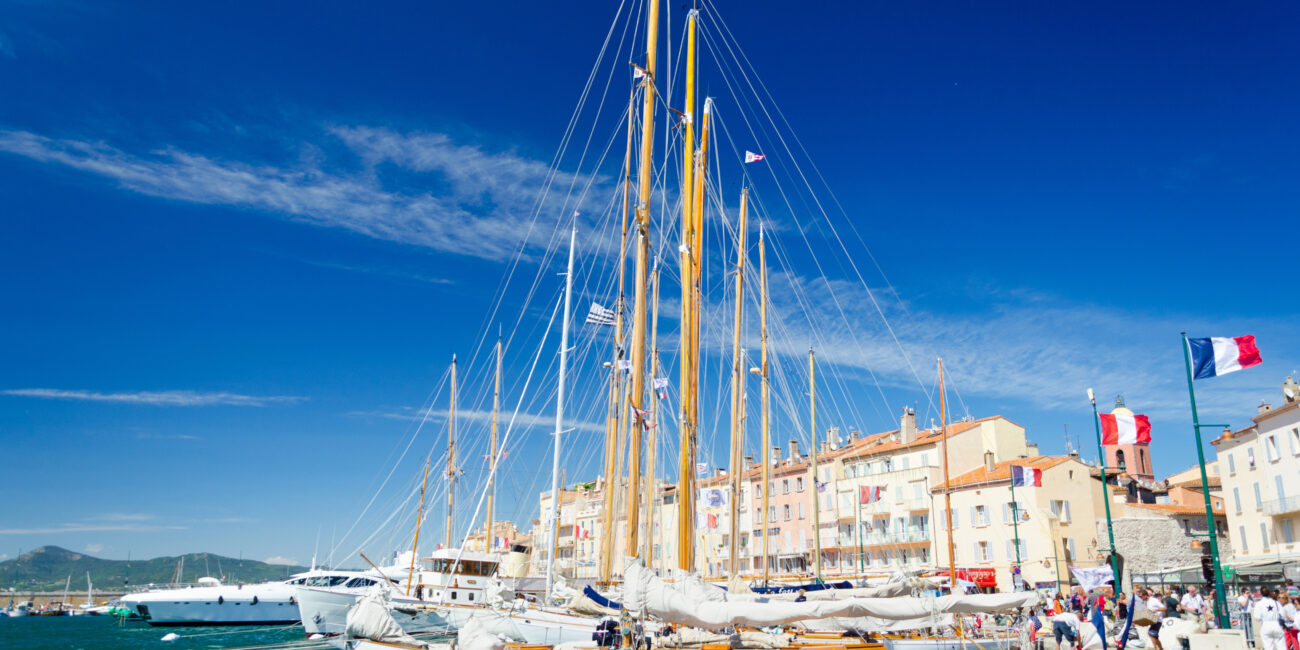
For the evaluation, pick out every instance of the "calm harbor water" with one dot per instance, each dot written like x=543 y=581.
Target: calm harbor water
x=105 y=633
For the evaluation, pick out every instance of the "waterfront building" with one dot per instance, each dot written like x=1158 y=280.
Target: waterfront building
x=1260 y=474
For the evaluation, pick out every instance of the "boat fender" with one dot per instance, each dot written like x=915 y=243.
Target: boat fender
x=171 y=637
x=254 y=601
x=221 y=600
x=292 y=601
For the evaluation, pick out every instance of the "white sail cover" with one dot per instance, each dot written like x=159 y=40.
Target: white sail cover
x=369 y=619
x=696 y=603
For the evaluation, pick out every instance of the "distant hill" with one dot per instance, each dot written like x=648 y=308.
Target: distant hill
x=48 y=567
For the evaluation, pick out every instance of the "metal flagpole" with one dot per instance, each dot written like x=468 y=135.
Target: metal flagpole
x=862 y=570
x=1105 y=492
x=1220 y=598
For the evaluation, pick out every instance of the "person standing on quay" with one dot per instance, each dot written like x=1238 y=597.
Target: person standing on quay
x=1269 y=614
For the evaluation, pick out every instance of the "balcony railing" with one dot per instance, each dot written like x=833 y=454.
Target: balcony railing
x=1285 y=505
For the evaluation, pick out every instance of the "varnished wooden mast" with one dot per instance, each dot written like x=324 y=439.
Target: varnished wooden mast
x=686 y=458
x=451 y=452
x=651 y=487
x=608 y=482
x=737 y=392
x=947 y=491
x=644 y=183
x=816 y=509
x=419 y=517
x=488 y=537
x=767 y=443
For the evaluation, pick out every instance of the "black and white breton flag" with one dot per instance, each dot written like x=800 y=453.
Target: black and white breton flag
x=599 y=315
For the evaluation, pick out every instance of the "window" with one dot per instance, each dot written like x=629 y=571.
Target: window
x=1288 y=532
x=955 y=518
x=1241 y=534
x=925 y=460
x=982 y=552
x=1295 y=441
x=798 y=484
x=1232 y=465
x=771 y=513
x=1259 y=500
x=918 y=492
x=758 y=490
x=1263 y=534
x=1119 y=458
x=1142 y=461
x=801 y=510
x=979 y=516
x=1236 y=499
x=1270 y=448
x=785 y=486
x=1069 y=546
x=787 y=512
x=1250 y=457
x=1061 y=509
x=907 y=462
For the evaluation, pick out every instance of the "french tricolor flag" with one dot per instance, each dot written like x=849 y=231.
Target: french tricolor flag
x=1124 y=429
x=1221 y=355
x=1022 y=476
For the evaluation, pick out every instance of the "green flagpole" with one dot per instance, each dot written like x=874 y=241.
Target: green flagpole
x=1015 y=527
x=1105 y=492
x=1220 y=598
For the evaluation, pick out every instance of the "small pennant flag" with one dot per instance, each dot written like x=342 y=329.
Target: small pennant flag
x=599 y=315
x=637 y=72
x=751 y=157
x=625 y=364
x=822 y=486
x=1124 y=429
x=661 y=387
x=1221 y=355
x=1022 y=476
x=869 y=494
x=701 y=470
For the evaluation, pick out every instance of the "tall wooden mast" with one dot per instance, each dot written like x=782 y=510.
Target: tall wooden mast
x=947 y=490
x=451 y=452
x=609 y=480
x=767 y=443
x=737 y=391
x=652 y=490
x=644 y=183
x=686 y=458
x=488 y=537
x=419 y=518
x=816 y=507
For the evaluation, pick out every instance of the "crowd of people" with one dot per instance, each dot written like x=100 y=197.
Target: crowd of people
x=1270 y=617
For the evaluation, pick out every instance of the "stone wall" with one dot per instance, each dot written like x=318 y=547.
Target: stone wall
x=1152 y=544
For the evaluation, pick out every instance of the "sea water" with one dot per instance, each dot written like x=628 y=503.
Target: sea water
x=106 y=633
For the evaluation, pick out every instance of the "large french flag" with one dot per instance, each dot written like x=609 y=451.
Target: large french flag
x=1221 y=355
x=1022 y=476
x=1124 y=429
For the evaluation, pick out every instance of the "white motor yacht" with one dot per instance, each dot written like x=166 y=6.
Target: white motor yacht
x=212 y=603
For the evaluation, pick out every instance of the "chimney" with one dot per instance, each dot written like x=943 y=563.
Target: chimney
x=907 y=426
x=776 y=454
x=749 y=462
x=1290 y=390
x=833 y=438
x=1031 y=450
x=989 y=461
x=1264 y=407
x=854 y=436
x=794 y=451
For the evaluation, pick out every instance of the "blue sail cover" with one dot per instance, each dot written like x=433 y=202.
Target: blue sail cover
x=812 y=586
x=599 y=599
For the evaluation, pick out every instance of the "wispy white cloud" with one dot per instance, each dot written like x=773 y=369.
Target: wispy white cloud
x=166 y=436
x=88 y=528
x=122 y=516
x=94 y=548
x=281 y=560
x=225 y=520
x=523 y=420
x=482 y=208
x=156 y=398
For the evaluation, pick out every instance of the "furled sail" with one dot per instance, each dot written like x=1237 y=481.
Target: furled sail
x=699 y=604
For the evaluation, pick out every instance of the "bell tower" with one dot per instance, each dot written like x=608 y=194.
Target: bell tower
x=1135 y=458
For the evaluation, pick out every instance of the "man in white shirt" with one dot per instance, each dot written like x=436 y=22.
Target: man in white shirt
x=1192 y=602
x=1066 y=624
x=1157 y=606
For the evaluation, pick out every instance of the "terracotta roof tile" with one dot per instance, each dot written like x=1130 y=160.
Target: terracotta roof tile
x=1174 y=509
x=1001 y=471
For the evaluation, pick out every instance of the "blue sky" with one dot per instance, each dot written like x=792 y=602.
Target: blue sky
x=241 y=247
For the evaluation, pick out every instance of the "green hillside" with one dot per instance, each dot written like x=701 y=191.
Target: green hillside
x=48 y=567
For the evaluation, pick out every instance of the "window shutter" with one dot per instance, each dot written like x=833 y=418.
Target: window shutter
x=1067 y=511
x=1006 y=514
x=975 y=553
x=955 y=518
x=1010 y=553
x=973 y=520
